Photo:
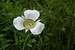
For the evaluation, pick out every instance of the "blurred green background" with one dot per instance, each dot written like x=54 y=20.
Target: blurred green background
x=57 y=15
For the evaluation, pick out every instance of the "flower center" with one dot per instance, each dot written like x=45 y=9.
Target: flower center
x=28 y=24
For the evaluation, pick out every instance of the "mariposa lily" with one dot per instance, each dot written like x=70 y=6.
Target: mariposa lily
x=29 y=22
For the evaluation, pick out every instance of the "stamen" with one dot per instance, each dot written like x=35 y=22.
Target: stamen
x=28 y=24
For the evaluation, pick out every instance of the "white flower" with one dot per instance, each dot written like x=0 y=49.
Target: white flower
x=29 y=22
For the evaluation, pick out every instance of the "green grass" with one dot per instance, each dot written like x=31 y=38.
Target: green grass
x=57 y=15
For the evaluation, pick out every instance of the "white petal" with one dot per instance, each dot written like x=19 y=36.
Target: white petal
x=38 y=28
x=18 y=23
x=32 y=14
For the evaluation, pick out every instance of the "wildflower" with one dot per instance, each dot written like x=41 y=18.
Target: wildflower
x=29 y=22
